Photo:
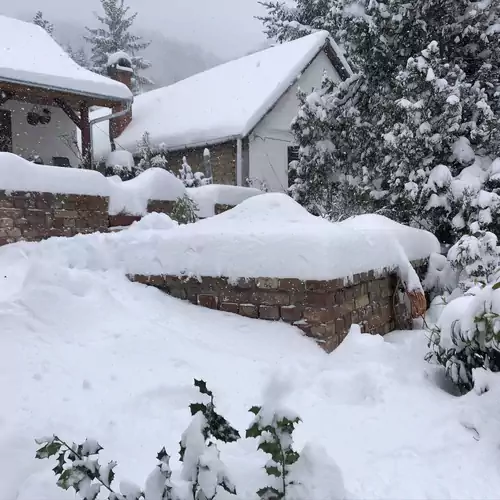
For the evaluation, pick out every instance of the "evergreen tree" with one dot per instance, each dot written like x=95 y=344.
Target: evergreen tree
x=79 y=56
x=39 y=20
x=115 y=36
x=284 y=22
x=189 y=178
x=422 y=107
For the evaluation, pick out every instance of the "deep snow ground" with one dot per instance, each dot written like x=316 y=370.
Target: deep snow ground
x=86 y=353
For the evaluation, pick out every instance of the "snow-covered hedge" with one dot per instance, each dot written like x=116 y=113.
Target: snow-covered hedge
x=18 y=174
x=467 y=331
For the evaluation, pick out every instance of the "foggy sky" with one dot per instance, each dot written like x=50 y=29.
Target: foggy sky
x=224 y=27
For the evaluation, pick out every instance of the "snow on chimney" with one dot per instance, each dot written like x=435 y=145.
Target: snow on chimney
x=119 y=68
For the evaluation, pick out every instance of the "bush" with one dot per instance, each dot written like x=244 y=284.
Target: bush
x=203 y=471
x=467 y=334
x=184 y=210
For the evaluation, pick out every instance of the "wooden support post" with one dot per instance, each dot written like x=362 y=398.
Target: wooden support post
x=85 y=130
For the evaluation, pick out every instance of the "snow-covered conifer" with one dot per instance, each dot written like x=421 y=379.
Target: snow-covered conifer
x=189 y=178
x=115 y=36
x=284 y=22
x=151 y=156
x=39 y=20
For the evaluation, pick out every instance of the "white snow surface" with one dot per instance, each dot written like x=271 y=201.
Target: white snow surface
x=29 y=55
x=219 y=104
x=206 y=197
x=295 y=245
x=87 y=353
x=18 y=174
x=120 y=158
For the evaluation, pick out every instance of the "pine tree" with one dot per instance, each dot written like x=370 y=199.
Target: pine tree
x=79 y=56
x=115 y=36
x=39 y=20
x=189 y=178
x=424 y=100
x=284 y=22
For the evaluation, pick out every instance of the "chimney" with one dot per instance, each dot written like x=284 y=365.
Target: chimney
x=119 y=68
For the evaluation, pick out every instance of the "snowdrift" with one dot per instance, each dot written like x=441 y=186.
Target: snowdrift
x=265 y=236
x=18 y=174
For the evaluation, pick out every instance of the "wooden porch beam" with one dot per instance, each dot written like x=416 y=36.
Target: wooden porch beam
x=85 y=131
x=69 y=111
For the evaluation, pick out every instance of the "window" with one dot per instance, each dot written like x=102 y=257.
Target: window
x=293 y=153
x=5 y=131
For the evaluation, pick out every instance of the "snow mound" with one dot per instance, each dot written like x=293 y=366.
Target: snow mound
x=206 y=197
x=265 y=236
x=120 y=158
x=154 y=222
x=18 y=174
x=153 y=184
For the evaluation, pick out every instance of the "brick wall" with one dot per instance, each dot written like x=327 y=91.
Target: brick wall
x=36 y=216
x=222 y=157
x=323 y=310
x=33 y=216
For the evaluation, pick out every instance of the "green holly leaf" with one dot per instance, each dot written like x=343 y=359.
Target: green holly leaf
x=255 y=409
x=48 y=450
x=269 y=493
x=202 y=387
x=197 y=407
x=254 y=431
x=272 y=470
x=496 y=286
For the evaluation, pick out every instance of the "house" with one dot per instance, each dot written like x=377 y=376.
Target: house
x=241 y=111
x=44 y=94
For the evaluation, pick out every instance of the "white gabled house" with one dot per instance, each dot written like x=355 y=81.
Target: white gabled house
x=44 y=93
x=241 y=111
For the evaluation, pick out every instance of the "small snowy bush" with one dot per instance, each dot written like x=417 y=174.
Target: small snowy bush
x=466 y=334
x=274 y=430
x=311 y=475
x=189 y=178
x=184 y=210
x=151 y=156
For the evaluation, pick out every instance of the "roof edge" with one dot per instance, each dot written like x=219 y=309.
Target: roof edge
x=338 y=61
x=104 y=97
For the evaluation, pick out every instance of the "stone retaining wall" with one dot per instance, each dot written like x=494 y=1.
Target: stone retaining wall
x=323 y=310
x=33 y=216
x=36 y=216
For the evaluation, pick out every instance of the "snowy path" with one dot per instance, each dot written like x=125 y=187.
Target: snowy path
x=86 y=353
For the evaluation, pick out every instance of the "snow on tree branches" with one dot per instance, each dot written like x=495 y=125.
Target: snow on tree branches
x=39 y=20
x=114 y=36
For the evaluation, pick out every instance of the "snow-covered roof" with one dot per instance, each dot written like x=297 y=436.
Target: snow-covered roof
x=29 y=55
x=223 y=103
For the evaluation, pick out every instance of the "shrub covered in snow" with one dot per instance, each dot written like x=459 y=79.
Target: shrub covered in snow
x=311 y=475
x=466 y=335
x=184 y=210
x=151 y=156
x=189 y=178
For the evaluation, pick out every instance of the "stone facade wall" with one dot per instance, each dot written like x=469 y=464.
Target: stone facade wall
x=33 y=216
x=222 y=157
x=36 y=216
x=323 y=310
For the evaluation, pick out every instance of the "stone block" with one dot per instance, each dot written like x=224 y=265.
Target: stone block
x=244 y=283
x=267 y=283
x=318 y=299
x=6 y=222
x=317 y=315
x=249 y=310
x=318 y=331
x=6 y=201
x=270 y=298
x=210 y=301
x=291 y=285
x=362 y=301
x=269 y=312
x=323 y=285
x=229 y=307
x=66 y=214
x=178 y=293
x=291 y=313
x=340 y=326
